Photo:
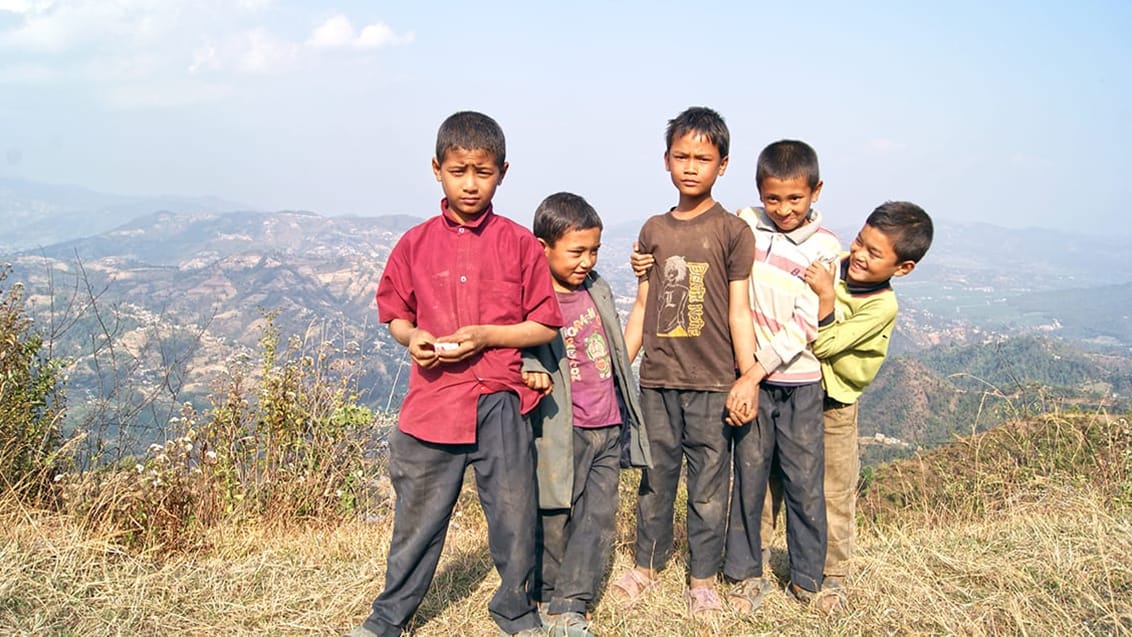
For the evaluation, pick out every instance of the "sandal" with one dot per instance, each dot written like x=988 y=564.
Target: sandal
x=632 y=586
x=746 y=596
x=826 y=601
x=703 y=602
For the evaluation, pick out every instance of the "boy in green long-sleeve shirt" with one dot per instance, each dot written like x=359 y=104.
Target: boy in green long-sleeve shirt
x=857 y=313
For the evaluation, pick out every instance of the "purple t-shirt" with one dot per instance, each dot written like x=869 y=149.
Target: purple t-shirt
x=588 y=357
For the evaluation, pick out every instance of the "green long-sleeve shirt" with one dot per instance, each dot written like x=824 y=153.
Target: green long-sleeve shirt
x=852 y=347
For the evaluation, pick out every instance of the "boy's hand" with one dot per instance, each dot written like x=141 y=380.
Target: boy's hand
x=422 y=348
x=819 y=276
x=742 y=401
x=463 y=343
x=538 y=381
x=640 y=261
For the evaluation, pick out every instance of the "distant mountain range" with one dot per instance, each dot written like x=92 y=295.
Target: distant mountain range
x=191 y=291
x=35 y=214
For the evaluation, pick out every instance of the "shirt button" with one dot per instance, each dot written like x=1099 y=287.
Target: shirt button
x=463 y=279
x=460 y=231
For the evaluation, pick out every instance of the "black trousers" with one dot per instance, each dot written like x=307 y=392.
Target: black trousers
x=427 y=478
x=576 y=542
x=684 y=424
x=789 y=429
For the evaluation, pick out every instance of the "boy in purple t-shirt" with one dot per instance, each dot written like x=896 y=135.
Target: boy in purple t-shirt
x=589 y=412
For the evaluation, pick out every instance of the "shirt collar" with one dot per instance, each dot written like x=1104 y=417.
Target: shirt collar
x=474 y=223
x=861 y=288
x=797 y=235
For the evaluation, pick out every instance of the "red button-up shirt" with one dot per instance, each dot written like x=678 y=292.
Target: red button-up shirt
x=443 y=275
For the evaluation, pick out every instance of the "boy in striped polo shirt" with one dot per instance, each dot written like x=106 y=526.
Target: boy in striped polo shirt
x=787 y=425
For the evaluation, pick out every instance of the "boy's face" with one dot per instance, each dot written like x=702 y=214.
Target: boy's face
x=788 y=201
x=872 y=258
x=572 y=257
x=469 y=179
x=695 y=164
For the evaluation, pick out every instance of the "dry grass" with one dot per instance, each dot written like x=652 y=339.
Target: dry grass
x=1056 y=561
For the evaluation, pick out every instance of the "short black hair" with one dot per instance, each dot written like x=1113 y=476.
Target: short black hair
x=788 y=159
x=701 y=121
x=562 y=212
x=906 y=225
x=471 y=131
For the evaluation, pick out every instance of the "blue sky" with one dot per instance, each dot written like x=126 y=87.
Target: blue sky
x=1013 y=113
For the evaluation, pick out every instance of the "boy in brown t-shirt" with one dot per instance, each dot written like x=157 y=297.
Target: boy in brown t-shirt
x=689 y=393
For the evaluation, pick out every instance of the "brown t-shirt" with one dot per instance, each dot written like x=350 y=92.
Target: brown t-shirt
x=687 y=336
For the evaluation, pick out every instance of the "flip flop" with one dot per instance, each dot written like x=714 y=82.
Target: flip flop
x=747 y=596
x=632 y=586
x=826 y=601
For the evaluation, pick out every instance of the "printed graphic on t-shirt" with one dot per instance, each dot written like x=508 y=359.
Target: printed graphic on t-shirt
x=594 y=349
x=598 y=352
x=590 y=362
x=680 y=303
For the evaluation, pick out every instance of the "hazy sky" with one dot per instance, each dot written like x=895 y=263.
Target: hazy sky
x=1015 y=113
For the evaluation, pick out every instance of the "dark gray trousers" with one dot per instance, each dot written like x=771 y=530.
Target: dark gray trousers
x=576 y=542
x=684 y=424
x=427 y=478
x=788 y=428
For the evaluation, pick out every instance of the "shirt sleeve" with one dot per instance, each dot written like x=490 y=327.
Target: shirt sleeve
x=540 y=303
x=395 y=296
x=794 y=335
x=864 y=325
x=742 y=250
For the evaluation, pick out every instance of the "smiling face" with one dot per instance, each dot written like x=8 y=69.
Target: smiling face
x=469 y=179
x=572 y=256
x=872 y=258
x=788 y=201
x=694 y=163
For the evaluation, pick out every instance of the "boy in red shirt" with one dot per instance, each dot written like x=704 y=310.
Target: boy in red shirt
x=464 y=292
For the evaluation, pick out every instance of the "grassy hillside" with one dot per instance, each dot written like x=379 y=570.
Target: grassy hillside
x=1022 y=530
x=927 y=398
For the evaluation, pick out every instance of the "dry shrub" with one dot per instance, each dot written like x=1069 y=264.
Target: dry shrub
x=31 y=403
x=161 y=503
x=283 y=443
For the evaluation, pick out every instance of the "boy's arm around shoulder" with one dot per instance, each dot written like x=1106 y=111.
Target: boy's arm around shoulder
x=874 y=317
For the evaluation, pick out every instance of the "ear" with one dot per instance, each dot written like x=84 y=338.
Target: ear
x=666 y=168
x=723 y=165
x=904 y=268
x=502 y=172
x=436 y=169
x=817 y=192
